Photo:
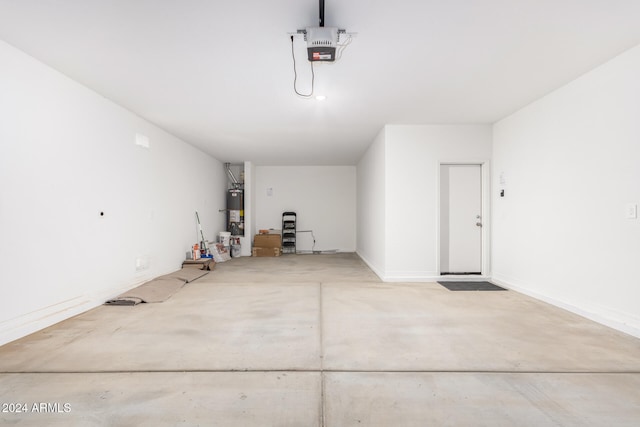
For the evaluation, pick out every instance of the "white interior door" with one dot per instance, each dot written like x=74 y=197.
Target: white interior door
x=460 y=219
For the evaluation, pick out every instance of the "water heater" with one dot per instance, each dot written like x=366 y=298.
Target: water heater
x=235 y=212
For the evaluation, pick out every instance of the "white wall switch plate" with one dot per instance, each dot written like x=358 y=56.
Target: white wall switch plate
x=503 y=180
x=632 y=211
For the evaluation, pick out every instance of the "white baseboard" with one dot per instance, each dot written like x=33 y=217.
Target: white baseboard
x=379 y=272
x=432 y=277
x=622 y=322
x=418 y=276
x=29 y=323
x=415 y=276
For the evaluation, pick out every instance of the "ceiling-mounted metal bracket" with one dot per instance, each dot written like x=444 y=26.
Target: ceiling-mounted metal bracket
x=303 y=32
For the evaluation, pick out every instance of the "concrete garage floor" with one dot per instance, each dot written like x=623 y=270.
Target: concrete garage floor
x=318 y=340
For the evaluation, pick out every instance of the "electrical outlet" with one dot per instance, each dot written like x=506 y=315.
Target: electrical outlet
x=632 y=211
x=142 y=263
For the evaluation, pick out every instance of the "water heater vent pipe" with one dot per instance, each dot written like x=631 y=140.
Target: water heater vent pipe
x=234 y=181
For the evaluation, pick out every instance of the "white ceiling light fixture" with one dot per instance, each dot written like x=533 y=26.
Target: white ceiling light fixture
x=324 y=44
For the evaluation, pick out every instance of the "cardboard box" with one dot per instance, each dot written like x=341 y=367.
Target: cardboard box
x=266 y=252
x=267 y=241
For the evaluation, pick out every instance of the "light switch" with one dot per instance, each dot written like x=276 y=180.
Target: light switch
x=632 y=211
x=503 y=180
x=269 y=192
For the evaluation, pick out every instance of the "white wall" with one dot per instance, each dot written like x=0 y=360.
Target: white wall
x=571 y=165
x=324 y=198
x=67 y=154
x=413 y=157
x=371 y=173
x=249 y=204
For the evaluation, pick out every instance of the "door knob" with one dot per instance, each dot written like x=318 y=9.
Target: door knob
x=479 y=224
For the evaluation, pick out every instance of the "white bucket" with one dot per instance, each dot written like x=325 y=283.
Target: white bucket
x=236 y=250
x=224 y=237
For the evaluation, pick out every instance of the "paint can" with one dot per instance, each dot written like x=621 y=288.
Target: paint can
x=224 y=237
x=235 y=250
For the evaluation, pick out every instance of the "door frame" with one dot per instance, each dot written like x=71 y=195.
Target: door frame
x=485 y=172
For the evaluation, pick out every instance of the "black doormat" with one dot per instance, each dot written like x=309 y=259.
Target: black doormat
x=471 y=286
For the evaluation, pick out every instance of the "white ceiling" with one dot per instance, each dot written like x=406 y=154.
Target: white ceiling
x=219 y=74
